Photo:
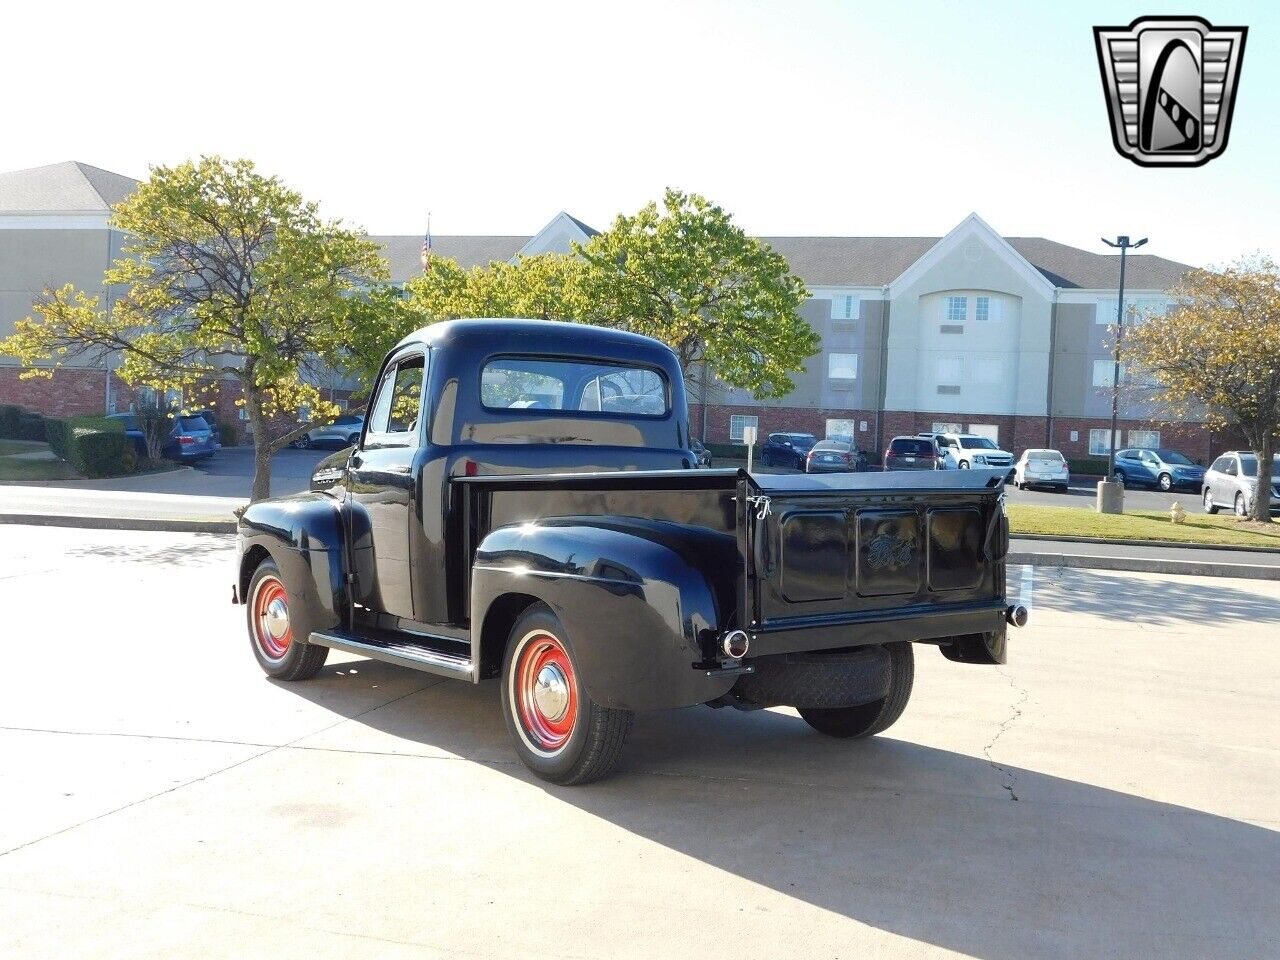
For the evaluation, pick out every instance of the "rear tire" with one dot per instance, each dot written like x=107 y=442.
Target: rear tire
x=1118 y=477
x=559 y=732
x=276 y=626
x=871 y=718
x=1242 y=509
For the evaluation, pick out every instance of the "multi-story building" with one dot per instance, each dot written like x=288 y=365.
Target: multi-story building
x=1009 y=337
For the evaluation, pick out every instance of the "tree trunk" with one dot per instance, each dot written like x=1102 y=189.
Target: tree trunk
x=261 y=446
x=1262 y=489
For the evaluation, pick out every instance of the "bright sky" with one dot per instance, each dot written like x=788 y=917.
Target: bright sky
x=842 y=118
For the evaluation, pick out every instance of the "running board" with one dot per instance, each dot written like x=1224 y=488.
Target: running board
x=398 y=652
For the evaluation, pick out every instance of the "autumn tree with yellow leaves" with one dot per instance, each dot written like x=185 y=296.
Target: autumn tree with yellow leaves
x=1217 y=354
x=229 y=275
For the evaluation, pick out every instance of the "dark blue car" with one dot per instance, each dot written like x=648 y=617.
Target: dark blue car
x=1162 y=469
x=190 y=438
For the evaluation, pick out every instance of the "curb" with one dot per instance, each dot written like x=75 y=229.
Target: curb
x=150 y=524
x=1185 y=568
x=1159 y=544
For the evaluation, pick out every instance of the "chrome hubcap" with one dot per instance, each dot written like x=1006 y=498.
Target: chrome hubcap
x=551 y=692
x=276 y=618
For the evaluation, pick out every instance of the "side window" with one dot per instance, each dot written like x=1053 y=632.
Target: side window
x=393 y=419
x=1220 y=465
x=1231 y=469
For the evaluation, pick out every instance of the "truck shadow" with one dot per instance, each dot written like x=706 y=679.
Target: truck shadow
x=922 y=842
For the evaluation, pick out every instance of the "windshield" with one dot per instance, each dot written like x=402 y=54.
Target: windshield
x=1173 y=456
x=802 y=441
x=977 y=443
x=1249 y=466
x=197 y=424
x=1051 y=456
x=841 y=445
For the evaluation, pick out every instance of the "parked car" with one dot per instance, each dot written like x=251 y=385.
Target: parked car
x=701 y=455
x=342 y=432
x=1229 y=483
x=942 y=442
x=787 y=449
x=190 y=438
x=913 y=453
x=570 y=555
x=1164 y=469
x=209 y=417
x=966 y=450
x=835 y=455
x=1041 y=468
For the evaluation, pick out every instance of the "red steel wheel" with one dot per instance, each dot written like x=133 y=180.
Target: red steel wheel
x=544 y=692
x=271 y=630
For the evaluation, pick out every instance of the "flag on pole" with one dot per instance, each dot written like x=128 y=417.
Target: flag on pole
x=426 y=248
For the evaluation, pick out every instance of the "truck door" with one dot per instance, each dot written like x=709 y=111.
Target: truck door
x=381 y=486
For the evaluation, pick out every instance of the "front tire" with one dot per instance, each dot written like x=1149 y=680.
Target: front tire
x=276 y=630
x=964 y=464
x=559 y=732
x=1165 y=482
x=868 y=719
x=1209 y=506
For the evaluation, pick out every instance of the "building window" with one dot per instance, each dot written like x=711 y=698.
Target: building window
x=957 y=309
x=845 y=307
x=1100 y=443
x=939 y=427
x=737 y=423
x=989 y=430
x=1104 y=372
x=840 y=428
x=842 y=366
x=1144 y=439
x=982 y=309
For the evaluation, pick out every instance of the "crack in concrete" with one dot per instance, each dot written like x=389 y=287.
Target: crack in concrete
x=1008 y=777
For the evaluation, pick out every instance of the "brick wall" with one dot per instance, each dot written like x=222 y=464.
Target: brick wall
x=71 y=392
x=1193 y=439
x=774 y=419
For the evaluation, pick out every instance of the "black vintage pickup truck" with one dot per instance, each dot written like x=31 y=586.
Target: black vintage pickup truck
x=522 y=505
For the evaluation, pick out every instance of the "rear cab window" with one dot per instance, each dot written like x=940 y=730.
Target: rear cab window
x=589 y=387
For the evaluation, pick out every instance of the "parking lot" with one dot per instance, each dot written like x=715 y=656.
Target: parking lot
x=1109 y=793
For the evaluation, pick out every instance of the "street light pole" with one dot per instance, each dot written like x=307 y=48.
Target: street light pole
x=1123 y=244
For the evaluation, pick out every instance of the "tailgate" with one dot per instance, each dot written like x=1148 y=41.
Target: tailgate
x=836 y=559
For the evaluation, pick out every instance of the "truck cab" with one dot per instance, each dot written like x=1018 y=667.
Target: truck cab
x=522 y=505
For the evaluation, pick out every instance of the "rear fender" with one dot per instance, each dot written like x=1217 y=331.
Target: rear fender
x=642 y=601
x=303 y=535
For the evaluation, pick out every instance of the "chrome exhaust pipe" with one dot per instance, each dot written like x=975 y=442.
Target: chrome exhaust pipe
x=1017 y=615
x=735 y=644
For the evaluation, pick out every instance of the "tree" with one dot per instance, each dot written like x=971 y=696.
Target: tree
x=688 y=276
x=1218 y=353
x=230 y=275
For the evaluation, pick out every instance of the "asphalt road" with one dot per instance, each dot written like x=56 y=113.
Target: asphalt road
x=1111 y=793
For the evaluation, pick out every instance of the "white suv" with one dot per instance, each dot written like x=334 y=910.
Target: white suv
x=965 y=450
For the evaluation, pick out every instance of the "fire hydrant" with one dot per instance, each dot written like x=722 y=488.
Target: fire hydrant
x=1176 y=513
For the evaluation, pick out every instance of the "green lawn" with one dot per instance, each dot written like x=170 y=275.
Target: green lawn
x=20 y=446
x=12 y=469
x=1140 y=525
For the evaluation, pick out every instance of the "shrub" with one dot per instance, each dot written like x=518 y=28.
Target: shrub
x=9 y=418
x=57 y=431
x=101 y=452
x=30 y=426
x=1088 y=466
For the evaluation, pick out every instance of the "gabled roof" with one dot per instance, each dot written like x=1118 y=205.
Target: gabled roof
x=1072 y=267
x=69 y=187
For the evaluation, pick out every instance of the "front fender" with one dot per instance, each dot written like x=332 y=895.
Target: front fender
x=303 y=534
x=642 y=601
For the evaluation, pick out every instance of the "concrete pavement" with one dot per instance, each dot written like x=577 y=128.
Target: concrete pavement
x=1109 y=793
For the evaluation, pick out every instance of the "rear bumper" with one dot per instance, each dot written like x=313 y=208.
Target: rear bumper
x=859 y=628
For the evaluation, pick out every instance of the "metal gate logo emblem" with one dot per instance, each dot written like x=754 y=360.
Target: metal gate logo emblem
x=889 y=551
x=1170 y=84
